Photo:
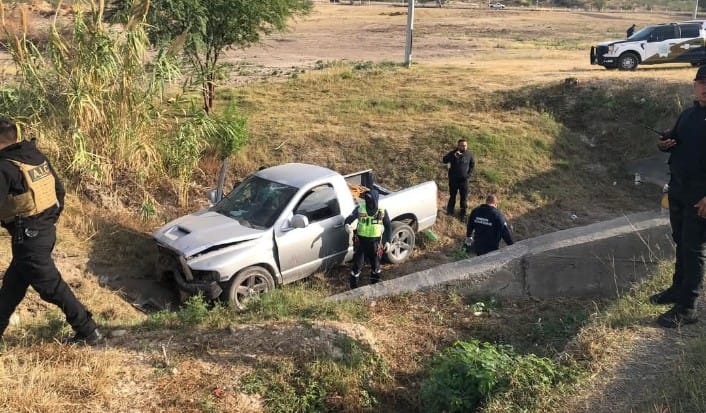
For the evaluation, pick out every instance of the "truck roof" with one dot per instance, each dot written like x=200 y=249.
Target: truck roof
x=295 y=174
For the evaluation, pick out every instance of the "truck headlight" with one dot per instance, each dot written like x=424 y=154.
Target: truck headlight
x=611 y=49
x=206 y=275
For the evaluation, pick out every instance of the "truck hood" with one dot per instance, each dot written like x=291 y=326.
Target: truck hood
x=611 y=42
x=202 y=230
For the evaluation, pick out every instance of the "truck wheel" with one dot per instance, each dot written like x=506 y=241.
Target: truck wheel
x=248 y=284
x=628 y=61
x=402 y=243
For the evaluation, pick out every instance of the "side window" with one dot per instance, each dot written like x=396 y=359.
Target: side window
x=689 y=31
x=662 y=33
x=318 y=204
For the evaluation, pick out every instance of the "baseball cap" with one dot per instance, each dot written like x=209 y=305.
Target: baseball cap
x=701 y=74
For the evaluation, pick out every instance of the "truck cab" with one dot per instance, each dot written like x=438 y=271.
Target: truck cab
x=661 y=43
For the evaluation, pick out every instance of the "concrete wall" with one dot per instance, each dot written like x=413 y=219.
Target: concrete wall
x=601 y=259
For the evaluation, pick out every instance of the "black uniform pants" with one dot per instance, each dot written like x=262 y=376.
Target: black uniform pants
x=460 y=186
x=32 y=265
x=367 y=248
x=689 y=234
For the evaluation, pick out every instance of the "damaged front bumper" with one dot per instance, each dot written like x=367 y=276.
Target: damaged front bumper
x=171 y=266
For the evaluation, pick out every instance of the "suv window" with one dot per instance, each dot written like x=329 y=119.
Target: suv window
x=689 y=30
x=661 y=33
x=318 y=204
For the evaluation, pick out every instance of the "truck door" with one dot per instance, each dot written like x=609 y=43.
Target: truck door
x=690 y=47
x=658 y=48
x=322 y=244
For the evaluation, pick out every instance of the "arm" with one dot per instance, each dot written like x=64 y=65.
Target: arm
x=352 y=217
x=58 y=187
x=387 y=232
x=448 y=157
x=506 y=234
x=668 y=140
x=471 y=164
x=469 y=224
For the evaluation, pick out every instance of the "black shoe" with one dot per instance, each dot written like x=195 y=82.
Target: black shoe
x=677 y=316
x=89 y=340
x=353 y=281
x=665 y=297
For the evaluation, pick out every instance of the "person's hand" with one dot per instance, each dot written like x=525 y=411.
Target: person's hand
x=701 y=208
x=386 y=247
x=469 y=241
x=348 y=228
x=664 y=144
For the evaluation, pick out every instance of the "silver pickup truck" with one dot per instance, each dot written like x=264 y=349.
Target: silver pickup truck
x=279 y=225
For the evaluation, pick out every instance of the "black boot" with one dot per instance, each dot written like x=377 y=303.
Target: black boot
x=677 y=316
x=375 y=277
x=92 y=339
x=667 y=296
x=354 y=280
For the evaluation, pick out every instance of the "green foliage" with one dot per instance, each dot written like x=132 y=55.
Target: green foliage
x=203 y=30
x=304 y=302
x=326 y=383
x=469 y=373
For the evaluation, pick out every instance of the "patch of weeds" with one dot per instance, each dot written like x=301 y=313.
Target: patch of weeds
x=468 y=373
x=302 y=301
x=341 y=381
x=208 y=405
x=194 y=311
x=491 y=175
x=460 y=253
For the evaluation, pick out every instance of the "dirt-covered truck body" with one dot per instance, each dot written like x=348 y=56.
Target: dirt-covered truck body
x=279 y=225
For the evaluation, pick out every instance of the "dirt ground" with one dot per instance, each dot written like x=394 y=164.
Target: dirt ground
x=500 y=48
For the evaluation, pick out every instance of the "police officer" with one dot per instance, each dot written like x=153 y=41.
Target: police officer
x=631 y=30
x=686 y=144
x=372 y=237
x=461 y=165
x=486 y=226
x=31 y=200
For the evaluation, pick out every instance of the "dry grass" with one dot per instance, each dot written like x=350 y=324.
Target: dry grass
x=398 y=122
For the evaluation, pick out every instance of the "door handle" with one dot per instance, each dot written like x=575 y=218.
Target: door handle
x=339 y=225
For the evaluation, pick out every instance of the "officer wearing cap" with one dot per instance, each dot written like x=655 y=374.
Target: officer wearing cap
x=31 y=200
x=686 y=144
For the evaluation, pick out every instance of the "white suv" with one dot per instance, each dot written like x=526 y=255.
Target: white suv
x=496 y=6
x=662 y=43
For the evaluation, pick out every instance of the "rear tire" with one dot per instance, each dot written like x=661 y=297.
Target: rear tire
x=248 y=285
x=402 y=243
x=628 y=61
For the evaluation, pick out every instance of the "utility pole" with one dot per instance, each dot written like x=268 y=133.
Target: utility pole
x=410 y=31
x=696 y=8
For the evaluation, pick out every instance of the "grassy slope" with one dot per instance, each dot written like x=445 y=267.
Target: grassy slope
x=548 y=150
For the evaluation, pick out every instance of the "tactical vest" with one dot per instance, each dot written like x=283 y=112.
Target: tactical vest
x=370 y=226
x=40 y=195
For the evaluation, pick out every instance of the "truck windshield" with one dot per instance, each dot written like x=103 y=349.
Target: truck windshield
x=256 y=202
x=643 y=34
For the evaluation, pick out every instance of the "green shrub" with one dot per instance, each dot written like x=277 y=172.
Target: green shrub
x=469 y=373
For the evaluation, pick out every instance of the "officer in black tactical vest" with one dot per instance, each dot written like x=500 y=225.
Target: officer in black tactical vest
x=31 y=200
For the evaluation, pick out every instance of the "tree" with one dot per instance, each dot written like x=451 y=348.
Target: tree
x=203 y=29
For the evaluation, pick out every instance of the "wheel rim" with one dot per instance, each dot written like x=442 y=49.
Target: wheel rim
x=250 y=289
x=628 y=62
x=401 y=245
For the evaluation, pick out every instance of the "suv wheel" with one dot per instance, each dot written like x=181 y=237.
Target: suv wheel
x=628 y=61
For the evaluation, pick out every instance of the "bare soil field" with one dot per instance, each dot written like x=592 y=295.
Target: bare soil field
x=499 y=47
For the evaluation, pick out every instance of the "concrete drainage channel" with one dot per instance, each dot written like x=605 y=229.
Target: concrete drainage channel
x=600 y=259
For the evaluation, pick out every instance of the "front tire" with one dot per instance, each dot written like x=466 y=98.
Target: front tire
x=402 y=244
x=248 y=285
x=628 y=61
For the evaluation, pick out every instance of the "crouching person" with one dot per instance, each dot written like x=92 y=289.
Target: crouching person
x=486 y=227
x=372 y=237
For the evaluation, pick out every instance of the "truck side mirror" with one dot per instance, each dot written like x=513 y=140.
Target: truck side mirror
x=300 y=221
x=212 y=196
